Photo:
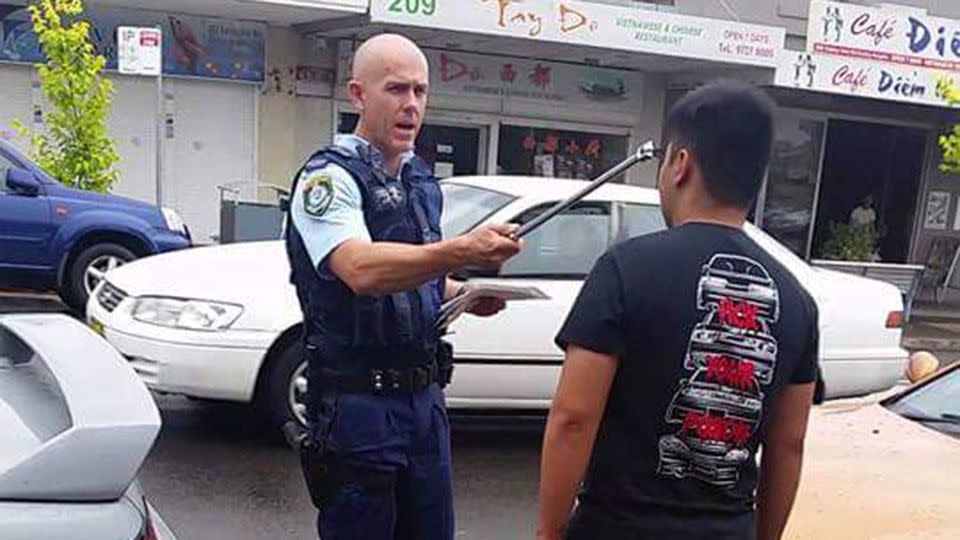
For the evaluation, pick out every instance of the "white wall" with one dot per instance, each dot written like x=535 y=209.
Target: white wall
x=16 y=102
x=649 y=121
x=290 y=127
x=133 y=125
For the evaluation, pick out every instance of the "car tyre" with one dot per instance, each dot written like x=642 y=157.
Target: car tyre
x=87 y=269
x=284 y=389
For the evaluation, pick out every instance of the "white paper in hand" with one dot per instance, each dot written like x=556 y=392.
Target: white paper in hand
x=458 y=305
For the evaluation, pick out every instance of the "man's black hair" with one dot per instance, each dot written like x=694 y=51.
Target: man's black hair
x=728 y=127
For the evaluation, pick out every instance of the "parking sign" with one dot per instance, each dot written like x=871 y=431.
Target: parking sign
x=139 y=50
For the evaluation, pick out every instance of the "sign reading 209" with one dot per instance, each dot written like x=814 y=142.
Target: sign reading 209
x=413 y=7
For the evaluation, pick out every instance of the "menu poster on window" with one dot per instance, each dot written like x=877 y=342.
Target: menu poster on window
x=938 y=210
x=543 y=166
x=443 y=169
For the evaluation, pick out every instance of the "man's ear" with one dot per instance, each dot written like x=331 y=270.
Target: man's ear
x=355 y=89
x=679 y=165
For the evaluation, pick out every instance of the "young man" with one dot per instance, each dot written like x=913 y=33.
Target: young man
x=686 y=351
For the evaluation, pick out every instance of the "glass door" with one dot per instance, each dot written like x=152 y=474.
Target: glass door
x=792 y=181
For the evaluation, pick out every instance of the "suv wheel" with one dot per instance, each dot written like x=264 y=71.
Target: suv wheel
x=87 y=269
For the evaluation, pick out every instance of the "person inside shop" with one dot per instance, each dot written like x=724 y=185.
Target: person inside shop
x=864 y=214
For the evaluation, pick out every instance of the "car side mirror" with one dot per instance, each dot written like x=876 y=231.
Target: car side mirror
x=23 y=182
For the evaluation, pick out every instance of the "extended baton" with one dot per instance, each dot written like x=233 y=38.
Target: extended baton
x=645 y=152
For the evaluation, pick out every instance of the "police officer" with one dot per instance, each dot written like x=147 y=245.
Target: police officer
x=370 y=269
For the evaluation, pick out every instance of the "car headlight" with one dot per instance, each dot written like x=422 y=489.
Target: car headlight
x=187 y=314
x=174 y=221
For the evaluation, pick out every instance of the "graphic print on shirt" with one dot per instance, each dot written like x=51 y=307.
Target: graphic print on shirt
x=731 y=355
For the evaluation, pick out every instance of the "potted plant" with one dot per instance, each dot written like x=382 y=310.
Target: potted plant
x=851 y=243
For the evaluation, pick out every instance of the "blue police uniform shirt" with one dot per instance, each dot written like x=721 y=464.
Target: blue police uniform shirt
x=327 y=208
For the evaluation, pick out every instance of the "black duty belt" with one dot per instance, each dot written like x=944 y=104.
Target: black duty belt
x=384 y=381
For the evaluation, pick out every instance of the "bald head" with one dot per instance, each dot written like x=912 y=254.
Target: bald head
x=389 y=90
x=380 y=55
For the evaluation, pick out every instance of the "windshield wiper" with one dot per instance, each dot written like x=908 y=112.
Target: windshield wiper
x=945 y=418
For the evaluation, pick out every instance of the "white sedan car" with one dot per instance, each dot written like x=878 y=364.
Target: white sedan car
x=223 y=322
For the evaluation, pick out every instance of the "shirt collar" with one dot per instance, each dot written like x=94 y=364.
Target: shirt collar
x=357 y=144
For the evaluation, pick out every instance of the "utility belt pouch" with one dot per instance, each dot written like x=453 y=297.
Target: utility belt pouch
x=322 y=473
x=445 y=362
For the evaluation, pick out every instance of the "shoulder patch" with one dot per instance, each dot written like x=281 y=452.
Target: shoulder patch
x=317 y=193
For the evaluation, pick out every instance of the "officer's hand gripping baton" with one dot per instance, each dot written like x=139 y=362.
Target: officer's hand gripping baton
x=645 y=152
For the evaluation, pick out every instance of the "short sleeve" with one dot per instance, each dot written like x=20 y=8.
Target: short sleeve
x=807 y=369
x=327 y=210
x=596 y=320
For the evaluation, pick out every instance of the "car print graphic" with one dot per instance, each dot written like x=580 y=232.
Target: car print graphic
x=700 y=394
x=738 y=279
x=710 y=461
x=711 y=339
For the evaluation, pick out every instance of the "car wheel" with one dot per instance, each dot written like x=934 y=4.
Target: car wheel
x=87 y=269
x=285 y=388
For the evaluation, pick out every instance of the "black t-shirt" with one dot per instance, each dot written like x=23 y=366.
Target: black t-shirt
x=708 y=328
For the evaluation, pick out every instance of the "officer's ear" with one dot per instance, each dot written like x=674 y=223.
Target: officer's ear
x=357 y=97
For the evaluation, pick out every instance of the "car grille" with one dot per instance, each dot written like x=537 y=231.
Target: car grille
x=110 y=296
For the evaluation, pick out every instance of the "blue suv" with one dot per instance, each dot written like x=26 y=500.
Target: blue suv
x=55 y=237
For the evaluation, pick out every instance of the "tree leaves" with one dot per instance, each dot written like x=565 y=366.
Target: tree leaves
x=950 y=142
x=75 y=147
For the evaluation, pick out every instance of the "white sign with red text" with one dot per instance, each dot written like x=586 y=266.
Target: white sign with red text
x=891 y=34
x=593 y=24
x=855 y=77
x=139 y=50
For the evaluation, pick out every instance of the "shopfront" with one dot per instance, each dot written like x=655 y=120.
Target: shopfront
x=856 y=137
x=549 y=88
x=512 y=116
x=212 y=71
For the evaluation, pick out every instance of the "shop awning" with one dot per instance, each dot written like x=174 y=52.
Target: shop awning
x=279 y=12
x=571 y=31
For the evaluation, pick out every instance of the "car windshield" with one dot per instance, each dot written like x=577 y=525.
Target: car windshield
x=936 y=401
x=464 y=207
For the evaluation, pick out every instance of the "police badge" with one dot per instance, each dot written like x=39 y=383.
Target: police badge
x=317 y=193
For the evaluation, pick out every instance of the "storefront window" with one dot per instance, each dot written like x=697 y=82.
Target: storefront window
x=792 y=182
x=871 y=177
x=557 y=153
x=448 y=150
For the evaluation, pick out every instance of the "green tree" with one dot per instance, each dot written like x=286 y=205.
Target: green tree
x=950 y=142
x=74 y=146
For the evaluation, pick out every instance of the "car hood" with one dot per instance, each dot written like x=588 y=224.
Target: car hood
x=91 y=199
x=254 y=275
x=863 y=460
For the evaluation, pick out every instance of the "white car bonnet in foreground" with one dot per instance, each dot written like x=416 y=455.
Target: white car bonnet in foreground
x=75 y=421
